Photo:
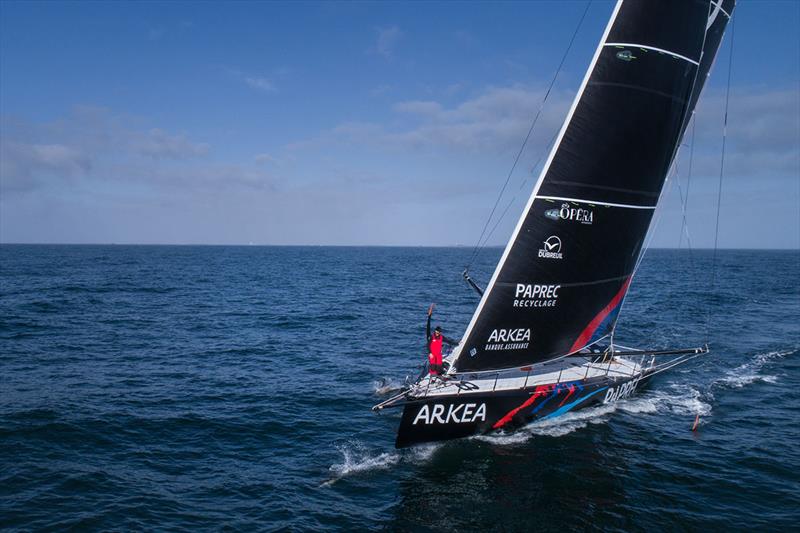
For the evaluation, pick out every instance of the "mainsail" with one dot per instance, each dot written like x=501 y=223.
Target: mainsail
x=563 y=276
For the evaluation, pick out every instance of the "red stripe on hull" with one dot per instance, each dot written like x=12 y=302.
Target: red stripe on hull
x=540 y=390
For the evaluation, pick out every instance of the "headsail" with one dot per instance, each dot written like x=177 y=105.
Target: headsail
x=564 y=273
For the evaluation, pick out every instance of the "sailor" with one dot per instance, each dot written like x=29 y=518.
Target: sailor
x=435 y=342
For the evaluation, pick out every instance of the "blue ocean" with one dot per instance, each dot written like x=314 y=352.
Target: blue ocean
x=214 y=388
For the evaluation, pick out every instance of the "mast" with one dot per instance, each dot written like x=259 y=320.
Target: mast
x=566 y=269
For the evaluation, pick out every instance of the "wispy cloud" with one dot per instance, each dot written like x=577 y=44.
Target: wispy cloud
x=493 y=122
x=418 y=107
x=763 y=131
x=387 y=41
x=763 y=137
x=93 y=145
x=257 y=81
x=155 y=34
x=160 y=145
x=260 y=83
x=263 y=159
x=381 y=90
x=24 y=166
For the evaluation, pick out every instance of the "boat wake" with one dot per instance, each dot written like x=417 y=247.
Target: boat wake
x=385 y=385
x=358 y=459
x=677 y=399
x=554 y=427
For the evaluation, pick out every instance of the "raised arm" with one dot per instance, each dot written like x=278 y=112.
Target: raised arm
x=428 y=324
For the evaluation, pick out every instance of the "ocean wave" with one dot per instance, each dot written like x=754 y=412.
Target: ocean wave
x=737 y=382
x=751 y=371
x=115 y=288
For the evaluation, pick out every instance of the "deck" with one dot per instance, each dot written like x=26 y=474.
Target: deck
x=559 y=371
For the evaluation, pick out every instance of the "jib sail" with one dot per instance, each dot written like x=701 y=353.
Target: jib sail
x=563 y=275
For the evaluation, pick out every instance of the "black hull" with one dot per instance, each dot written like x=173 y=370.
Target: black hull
x=454 y=416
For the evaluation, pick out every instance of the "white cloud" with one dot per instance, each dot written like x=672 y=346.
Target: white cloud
x=24 y=166
x=763 y=136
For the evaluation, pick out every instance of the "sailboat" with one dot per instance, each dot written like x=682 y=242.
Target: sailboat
x=540 y=342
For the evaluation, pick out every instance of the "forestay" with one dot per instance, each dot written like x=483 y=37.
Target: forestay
x=565 y=272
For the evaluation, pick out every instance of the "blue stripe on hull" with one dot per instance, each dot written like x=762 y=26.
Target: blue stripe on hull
x=566 y=408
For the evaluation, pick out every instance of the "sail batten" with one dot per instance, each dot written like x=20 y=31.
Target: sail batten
x=653 y=48
x=563 y=276
x=594 y=202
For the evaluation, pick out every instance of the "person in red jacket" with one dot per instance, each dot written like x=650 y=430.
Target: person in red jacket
x=435 y=342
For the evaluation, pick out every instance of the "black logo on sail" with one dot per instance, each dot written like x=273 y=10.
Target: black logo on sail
x=567 y=212
x=551 y=248
x=625 y=55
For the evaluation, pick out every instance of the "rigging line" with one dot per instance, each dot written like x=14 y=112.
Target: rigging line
x=721 y=174
x=651 y=233
x=685 y=203
x=530 y=130
x=659 y=211
x=514 y=198
x=692 y=266
x=648 y=237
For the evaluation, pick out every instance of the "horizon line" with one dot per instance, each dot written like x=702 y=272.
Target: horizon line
x=253 y=245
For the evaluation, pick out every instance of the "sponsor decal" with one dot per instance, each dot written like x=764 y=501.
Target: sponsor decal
x=551 y=248
x=455 y=414
x=528 y=295
x=625 y=55
x=623 y=391
x=508 y=339
x=568 y=212
x=473 y=352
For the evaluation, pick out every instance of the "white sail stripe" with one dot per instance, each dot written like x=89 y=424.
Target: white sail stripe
x=595 y=202
x=646 y=47
x=713 y=15
x=542 y=174
x=718 y=5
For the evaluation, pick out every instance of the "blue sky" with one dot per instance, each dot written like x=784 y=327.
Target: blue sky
x=348 y=123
